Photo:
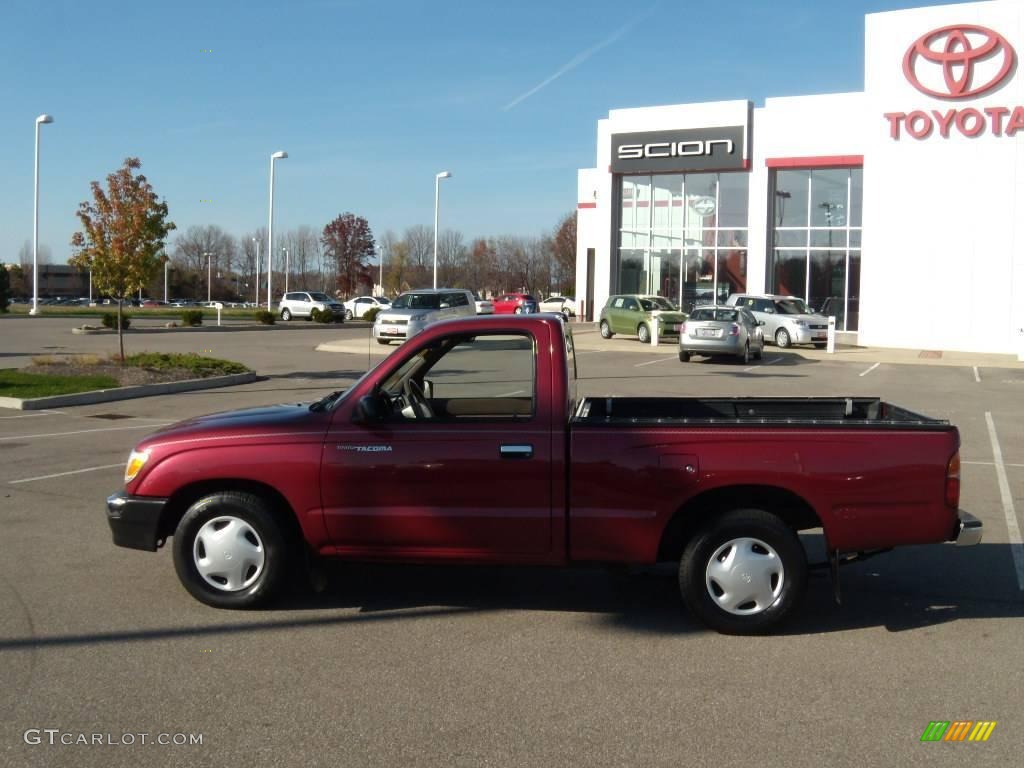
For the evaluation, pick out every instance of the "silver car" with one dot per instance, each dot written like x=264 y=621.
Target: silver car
x=721 y=330
x=413 y=311
x=787 y=319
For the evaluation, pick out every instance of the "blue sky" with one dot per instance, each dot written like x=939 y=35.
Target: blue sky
x=371 y=99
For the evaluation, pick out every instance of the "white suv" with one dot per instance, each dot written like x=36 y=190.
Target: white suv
x=413 y=311
x=302 y=304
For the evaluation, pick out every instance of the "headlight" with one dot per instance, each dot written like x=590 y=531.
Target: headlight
x=136 y=461
x=800 y=323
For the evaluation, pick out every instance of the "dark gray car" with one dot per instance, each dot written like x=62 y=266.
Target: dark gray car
x=720 y=330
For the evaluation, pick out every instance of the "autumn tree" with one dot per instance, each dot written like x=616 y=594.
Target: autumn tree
x=349 y=243
x=125 y=227
x=563 y=248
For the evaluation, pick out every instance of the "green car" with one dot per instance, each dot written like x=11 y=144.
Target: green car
x=634 y=314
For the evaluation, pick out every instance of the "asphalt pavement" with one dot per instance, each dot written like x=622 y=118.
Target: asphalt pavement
x=460 y=666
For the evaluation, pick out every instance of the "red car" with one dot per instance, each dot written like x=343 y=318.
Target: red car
x=402 y=466
x=515 y=303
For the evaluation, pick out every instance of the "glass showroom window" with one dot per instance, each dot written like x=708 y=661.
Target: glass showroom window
x=816 y=230
x=684 y=236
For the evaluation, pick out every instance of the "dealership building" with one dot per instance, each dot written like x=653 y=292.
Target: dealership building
x=898 y=209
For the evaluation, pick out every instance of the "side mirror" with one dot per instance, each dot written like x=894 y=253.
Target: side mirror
x=445 y=305
x=428 y=389
x=367 y=410
x=760 y=322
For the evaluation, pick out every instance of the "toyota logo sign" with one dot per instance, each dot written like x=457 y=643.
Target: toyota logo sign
x=959 y=61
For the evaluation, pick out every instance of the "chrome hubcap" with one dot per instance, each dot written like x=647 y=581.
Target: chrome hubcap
x=744 y=576
x=228 y=553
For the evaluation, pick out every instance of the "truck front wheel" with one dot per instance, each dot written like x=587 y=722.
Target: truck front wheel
x=229 y=551
x=744 y=573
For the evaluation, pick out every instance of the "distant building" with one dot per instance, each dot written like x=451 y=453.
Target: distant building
x=54 y=280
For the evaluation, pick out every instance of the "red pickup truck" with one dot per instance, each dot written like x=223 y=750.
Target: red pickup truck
x=402 y=466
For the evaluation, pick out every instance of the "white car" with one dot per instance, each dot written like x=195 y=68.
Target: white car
x=563 y=304
x=302 y=304
x=360 y=305
x=483 y=306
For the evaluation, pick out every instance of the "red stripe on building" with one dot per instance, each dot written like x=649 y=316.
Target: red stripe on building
x=586 y=205
x=821 y=161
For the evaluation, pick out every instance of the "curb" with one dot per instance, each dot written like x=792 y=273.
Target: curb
x=126 y=393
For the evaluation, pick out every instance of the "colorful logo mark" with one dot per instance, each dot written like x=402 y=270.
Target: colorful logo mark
x=958 y=730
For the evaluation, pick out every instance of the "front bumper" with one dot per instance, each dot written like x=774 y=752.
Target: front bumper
x=806 y=335
x=134 y=520
x=969 y=530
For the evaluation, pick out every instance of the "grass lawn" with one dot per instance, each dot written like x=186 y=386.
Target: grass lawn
x=27 y=385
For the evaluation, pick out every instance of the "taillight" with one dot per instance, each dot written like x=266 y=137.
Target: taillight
x=953 y=481
x=734 y=330
x=682 y=328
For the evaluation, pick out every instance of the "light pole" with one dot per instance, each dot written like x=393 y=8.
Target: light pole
x=35 y=222
x=167 y=263
x=286 y=269
x=380 y=261
x=437 y=197
x=209 y=274
x=256 y=240
x=270 y=229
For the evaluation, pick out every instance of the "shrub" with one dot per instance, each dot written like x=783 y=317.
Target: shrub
x=371 y=314
x=200 y=366
x=265 y=317
x=325 y=317
x=192 y=317
x=110 y=320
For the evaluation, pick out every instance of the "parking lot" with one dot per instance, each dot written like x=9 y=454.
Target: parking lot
x=432 y=666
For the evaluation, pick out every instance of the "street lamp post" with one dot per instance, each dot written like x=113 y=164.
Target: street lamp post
x=167 y=263
x=380 y=261
x=270 y=229
x=286 y=269
x=437 y=197
x=35 y=222
x=256 y=240
x=209 y=274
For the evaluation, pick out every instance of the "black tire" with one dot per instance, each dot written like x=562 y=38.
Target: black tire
x=286 y=315
x=643 y=333
x=751 y=530
x=820 y=346
x=782 y=339
x=254 y=512
x=746 y=354
x=606 y=330
x=519 y=310
x=348 y=314
x=684 y=357
x=759 y=355
x=565 y=314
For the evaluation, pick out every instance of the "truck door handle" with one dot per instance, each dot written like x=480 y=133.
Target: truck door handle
x=516 y=451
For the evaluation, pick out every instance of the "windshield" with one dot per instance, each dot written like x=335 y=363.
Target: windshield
x=656 y=302
x=320 y=297
x=791 y=307
x=417 y=301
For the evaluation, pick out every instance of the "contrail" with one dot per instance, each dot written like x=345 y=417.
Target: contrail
x=579 y=58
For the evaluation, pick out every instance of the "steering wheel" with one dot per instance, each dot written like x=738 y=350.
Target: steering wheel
x=416 y=399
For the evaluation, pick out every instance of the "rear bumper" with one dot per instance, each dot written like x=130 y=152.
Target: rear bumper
x=134 y=520
x=969 y=530
x=727 y=345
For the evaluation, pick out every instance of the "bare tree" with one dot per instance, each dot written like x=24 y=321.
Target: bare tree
x=563 y=251
x=190 y=259
x=451 y=259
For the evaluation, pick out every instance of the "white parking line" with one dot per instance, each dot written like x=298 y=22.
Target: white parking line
x=30 y=415
x=64 y=474
x=977 y=376
x=652 y=362
x=773 y=361
x=85 y=431
x=869 y=370
x=1016 y=545
x=992 y=464
x=509 y=394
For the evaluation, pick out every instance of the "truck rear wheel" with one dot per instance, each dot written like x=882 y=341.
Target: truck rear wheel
x=744 y=573
x=230 y=551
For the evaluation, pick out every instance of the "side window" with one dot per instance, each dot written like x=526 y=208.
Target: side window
x=630 y=304
x=617 y=304
x=486 y=378
x=460 y=300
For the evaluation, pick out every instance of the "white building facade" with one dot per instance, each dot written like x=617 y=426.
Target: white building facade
x=899 y=209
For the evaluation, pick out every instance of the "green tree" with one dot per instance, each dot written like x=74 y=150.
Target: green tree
x=125 y=227
x=5 y=285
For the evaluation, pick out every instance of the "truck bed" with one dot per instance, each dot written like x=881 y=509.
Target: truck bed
x=871 y=412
